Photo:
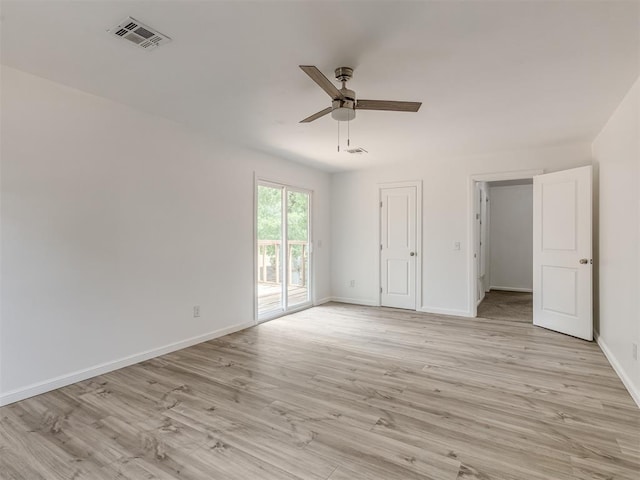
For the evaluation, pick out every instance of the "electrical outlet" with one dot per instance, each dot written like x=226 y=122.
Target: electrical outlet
x=196 y=311
x=635 y=351
x=352 y=283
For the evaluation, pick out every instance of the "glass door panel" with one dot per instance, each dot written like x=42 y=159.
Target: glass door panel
x=283 y=253
x=297 y=248
x=269 y=235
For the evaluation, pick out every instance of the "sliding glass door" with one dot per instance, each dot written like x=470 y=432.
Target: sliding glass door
x=283 y=249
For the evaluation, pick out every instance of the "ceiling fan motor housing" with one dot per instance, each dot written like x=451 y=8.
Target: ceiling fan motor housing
x=344 y=109
x=344 y=74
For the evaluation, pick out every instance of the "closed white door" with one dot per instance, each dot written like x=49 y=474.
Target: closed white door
x=562 y=265
x=398 y=247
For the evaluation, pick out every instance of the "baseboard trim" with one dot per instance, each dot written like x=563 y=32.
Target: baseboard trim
x=355 y=301
x=322 y=301
x=511 y=289
x=84 y=374
x=626 y=381
x=444 y=311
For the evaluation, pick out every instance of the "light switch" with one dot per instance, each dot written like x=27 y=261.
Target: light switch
x=456 y=245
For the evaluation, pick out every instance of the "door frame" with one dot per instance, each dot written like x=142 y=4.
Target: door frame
x=260 y=180
x=472 y=264
x=419 y=250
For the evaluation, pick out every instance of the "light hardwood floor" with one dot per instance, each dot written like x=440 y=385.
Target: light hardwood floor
x=340 y=392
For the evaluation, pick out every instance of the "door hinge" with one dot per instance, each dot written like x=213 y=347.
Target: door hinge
x=380 y=289
x=380 y=247
x=380 y=204
x=477 y=216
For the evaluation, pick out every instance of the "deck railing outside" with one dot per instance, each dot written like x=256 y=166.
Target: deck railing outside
x=269 y=262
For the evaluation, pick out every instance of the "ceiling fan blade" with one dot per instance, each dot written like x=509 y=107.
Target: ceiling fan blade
x=315 y=116
x=324 y=83
x=388 y=105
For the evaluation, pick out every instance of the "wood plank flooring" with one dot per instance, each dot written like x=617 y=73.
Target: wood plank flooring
x=340 y=392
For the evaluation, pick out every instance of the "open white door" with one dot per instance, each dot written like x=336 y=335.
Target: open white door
x=562 y=265
x=398 y=247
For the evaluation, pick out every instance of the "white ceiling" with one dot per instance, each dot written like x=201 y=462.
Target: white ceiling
x=491 y=75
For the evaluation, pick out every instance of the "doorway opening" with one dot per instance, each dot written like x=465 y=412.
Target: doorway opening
x=283 y=250
x=505 y=250
x=501 y=282
x=562 y=248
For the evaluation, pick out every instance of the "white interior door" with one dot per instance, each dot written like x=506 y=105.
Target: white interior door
x=481 y=239
x=477 y=253
x=562 y=265
x=398 y=247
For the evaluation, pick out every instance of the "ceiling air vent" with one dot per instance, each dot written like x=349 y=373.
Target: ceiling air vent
x=358 y=150
x=140 y=34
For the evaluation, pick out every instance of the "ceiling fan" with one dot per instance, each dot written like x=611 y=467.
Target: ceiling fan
x=343 y=102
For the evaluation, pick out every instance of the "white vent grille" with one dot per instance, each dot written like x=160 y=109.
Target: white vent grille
x=358 y=150
x=140 y=34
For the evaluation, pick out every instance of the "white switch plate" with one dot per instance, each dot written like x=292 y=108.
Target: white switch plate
x=456 y=245
x=196 y=311
x=635 y=351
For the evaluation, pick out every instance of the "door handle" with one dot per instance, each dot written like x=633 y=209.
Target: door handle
x=412 y=254
x=584 y=261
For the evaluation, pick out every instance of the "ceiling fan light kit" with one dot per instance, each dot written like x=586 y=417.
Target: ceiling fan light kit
x=343 y=110
x=343 y=101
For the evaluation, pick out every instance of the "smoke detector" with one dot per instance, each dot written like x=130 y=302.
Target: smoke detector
x=139 y=34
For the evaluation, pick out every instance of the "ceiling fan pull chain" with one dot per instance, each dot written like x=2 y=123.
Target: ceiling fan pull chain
x=338 y=136
x=348 y=132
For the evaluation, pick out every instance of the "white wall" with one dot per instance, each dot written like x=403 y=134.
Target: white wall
x=511 y=234
x=115 y=224
x=354 y=217
x=616 y=153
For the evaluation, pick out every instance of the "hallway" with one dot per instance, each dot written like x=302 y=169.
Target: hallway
x=512 y=306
